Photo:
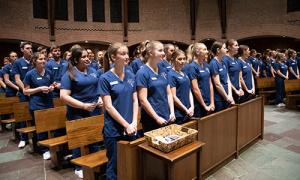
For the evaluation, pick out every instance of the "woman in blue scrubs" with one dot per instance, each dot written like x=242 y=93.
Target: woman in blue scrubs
x=38 y=86
x=200 y=76
x=79 y=90
x=9 y=77
x=234 y=69
x=282 y=74
x=118 y=91
x=154 y=90
x=222 y=94
x=181 y=88
x=138 y=62
x=248 y=80
x=292 y=65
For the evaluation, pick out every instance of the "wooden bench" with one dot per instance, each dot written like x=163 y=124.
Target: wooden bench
x=58 y=102
x=82 y=133
x=266 y=88
x=290 y=87
x=49 y=120
x=6 y=108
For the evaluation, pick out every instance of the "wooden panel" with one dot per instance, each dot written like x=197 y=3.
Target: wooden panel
x=84 y=131
x=249 y=121
x=191 y=124
x=13 y=99
x=263 y=83
x=58 y=102
x=218 y=131
x=50 y=119
x=292 y=85
x=129 y=160
x=21 y=112
x=6 y=108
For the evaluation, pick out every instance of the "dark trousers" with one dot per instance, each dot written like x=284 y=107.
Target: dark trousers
x=280 y=92
x=23 y=98
x=220 y=105
x=111 y=147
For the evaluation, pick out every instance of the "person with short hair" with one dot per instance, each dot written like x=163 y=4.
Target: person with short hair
x=292 y=65
x=282 y=74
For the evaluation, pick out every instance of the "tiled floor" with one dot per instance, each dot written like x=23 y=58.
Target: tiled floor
x=277 y=157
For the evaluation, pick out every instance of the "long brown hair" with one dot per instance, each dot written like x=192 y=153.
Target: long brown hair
x=112 y=50
x=76 y=53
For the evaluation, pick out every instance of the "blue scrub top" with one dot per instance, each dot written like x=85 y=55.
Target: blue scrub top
x=58 y=71
x=94 y=64
x=234 y=69
x=293 y=64
x=282 y=68
x=136 y=64
x=298 y=62
x=202 y=74
x=129 y=69
x=7 y=69
x=254 y=62
x=2 y=90
x=39 y=100
x=246 y=73
x=21 y=67
x=121 y=93
x=164 y=66
x=183 y=88
x=156 y=85
x=84 y=88
x=219 y=68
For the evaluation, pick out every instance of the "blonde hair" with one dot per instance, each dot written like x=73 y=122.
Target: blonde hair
x=111 y=50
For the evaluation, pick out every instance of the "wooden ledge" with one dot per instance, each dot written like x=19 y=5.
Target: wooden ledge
x=91 y=160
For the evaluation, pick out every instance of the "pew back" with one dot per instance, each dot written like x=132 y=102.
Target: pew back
x=50 y=119
x=84 y=131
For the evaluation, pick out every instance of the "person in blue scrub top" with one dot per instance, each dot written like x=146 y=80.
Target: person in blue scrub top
x=222 y=85
x=2 y=84
x=38 y=85
x=254 y=63
x=234 y=69
x=165 y=65
x=94 y=63
x=118 y=91
x=79 y=90
x=247 y=77
x=138 y=61
x=181 y=88
x=57 y=67
x=282 y=74
x=292 y=65
x=267 y=70
x=154 y=90
x=66 y=56
x=20 y=67
x=9 y=77
x=200 y=76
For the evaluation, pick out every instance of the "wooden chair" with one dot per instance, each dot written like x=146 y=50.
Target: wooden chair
x=82 y=133
x=266 y=88
x=290 y=87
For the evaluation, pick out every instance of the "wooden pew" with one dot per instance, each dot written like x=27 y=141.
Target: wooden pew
x=292 y=99
x=82 y=133
x=250 y=123
x=6 y=108
x=266 y=88
x=48 y=120
x=58 y=102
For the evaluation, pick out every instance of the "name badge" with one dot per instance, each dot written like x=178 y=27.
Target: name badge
x=169 y=67
x=39 y=78
x=180 y=77
x=233 y=63
x=154 y=78
x=55 y=67
x=245 y=67
x=24 y=67
x=202 y=71
x=293 y=63
x=113 y=83
x=221 y=69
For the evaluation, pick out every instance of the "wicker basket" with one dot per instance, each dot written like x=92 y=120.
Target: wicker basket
x=186 y=135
